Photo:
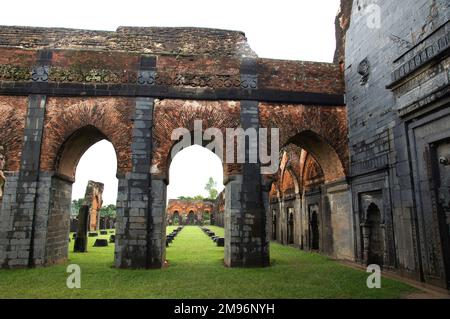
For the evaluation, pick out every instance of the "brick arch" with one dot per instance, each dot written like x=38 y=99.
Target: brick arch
x=275 y=193
x=289 y=185
x=325 y=156
x=192 y=208
x=312 y=173
x=172 y=114
x=292 y=165
x=12 y=125
x=73 y=149
x=320 y=130
x=78 y=123
x=173 y=209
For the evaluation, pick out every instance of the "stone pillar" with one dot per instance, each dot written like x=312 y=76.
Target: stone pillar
x=81 y=240
x=2 y=175
x=140 y=229
x=298 y=229
x=17 y=230
x=365 y=230
x=246 y=238
x=52 y=219
x=385 y=245
x=157 y=222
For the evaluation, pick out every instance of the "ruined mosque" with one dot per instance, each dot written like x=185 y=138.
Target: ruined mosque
x=364 y=172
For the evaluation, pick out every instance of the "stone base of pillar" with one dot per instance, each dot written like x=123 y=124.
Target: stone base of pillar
x=246 y=241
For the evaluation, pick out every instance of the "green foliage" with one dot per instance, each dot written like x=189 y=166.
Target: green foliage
x=108 y=211
x=211 y=188
x=195 y=262
x=197 y=197
x=75 y=207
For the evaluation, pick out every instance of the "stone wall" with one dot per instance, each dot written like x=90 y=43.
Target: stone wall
x=58 y=222
x=397 y=79
x=308 y=212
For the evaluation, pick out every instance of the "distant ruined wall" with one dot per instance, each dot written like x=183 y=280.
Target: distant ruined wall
x=181 y=208
x=342 y=23
x=94 y=199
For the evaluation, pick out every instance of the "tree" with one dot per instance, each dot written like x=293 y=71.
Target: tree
x=211 y=188
x=108 y=211
x=196 y=197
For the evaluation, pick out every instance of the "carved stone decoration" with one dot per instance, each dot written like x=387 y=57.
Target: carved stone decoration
x=364 y=71
x=40 y=74
x=92 y=76
x=14 y=73
x=402 y=44
x=249 y=81
x=146 y=78
x=2 y=175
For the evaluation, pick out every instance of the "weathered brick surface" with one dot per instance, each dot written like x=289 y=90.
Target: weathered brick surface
x=12 y=124
x=18 y=213
x=17 y=57
x=186 y=57
x=64 y=116
x=153 y=40
x=287 y=183
x=328 y=123
x=85 y=59
x=185 y=206
x=342 y=23
x=173 y=114
x=300 y=76
x=56 y=241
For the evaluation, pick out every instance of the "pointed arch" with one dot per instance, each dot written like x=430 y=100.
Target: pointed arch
x=80 y=123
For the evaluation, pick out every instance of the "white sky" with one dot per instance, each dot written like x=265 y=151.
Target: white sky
x=282 y=29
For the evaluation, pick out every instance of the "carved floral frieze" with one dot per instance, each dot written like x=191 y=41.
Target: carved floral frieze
x=53 y=74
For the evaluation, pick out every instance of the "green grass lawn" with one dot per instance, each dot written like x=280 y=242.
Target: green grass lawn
x=196 y=271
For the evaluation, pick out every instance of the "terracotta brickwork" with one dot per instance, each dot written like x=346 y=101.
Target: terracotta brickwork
x=173 y=114
x=185 y=57
x=149 y=40
x=300 y=76
x=299 y=172
x=12 y=124
x=329 y=124
x=64 y=116
x=183 y=207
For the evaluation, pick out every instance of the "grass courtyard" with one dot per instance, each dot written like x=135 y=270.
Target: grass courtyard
x=196 y=271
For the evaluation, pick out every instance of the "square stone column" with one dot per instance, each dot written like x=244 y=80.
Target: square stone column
x=18 y=214
x=140 y=232
x=246 y=236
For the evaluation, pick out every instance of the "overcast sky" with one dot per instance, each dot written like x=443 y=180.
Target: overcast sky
x=282 y=29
